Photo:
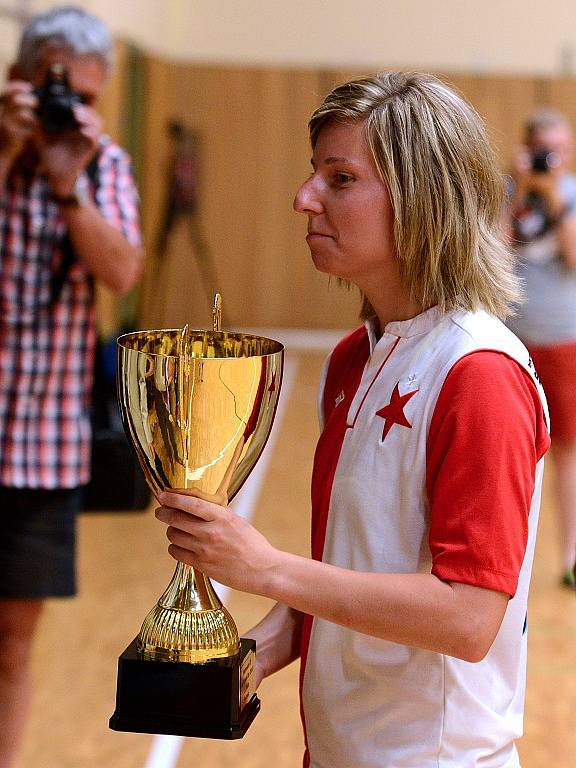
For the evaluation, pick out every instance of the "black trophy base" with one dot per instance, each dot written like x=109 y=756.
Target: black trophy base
x=214 y=700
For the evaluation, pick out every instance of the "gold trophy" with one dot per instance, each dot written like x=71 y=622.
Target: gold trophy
x=198 y=407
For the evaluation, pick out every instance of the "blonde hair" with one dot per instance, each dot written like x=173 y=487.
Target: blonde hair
x=431 y=149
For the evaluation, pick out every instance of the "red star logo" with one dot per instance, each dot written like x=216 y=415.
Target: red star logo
x=393 y=413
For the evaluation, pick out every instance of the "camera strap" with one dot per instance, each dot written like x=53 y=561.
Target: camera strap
x=60 y=275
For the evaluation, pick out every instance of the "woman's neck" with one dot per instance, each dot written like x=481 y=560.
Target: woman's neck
x=396 y=311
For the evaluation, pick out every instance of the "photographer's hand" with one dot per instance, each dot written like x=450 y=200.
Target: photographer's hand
x=64 y=156
x=99 y=244
x=18 y=121
x=544 y=184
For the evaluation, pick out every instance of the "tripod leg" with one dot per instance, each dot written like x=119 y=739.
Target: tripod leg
x=205 y=261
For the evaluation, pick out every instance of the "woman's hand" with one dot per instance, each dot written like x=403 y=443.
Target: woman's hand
x=259 y=674
x=217 y=542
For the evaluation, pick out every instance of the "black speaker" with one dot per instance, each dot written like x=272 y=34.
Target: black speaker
x=117 y=481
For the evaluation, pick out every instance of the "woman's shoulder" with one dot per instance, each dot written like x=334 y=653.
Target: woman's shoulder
x=350 y=350
x=352 y=340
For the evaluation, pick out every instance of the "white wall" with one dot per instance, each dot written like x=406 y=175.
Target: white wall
x=507 y=36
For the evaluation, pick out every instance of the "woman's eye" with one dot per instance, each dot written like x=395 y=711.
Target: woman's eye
x=342 y=178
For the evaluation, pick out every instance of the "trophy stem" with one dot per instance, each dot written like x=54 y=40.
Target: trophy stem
x=190 y=590
x=189 y=622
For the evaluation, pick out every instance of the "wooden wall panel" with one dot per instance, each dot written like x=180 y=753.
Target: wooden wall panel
x=253 y=128
x=504 y=104
x=562 y=96
x=111 y=102
x=160 y=75
x=289 y=286
x=110 y=107
x=255 y=153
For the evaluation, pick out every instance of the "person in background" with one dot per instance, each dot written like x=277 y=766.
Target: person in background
x=410 y=617
x=68 y=217
x=182 y=203
x=542 y=222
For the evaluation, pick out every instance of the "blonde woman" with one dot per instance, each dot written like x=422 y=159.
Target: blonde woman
x=410 y=616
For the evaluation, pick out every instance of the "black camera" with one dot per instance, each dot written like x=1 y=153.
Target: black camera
x=56 y=101
x=543 y=160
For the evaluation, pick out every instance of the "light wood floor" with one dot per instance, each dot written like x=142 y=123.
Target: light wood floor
x=123 y=568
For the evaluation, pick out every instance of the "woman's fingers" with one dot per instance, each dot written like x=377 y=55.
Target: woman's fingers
x=177 y=518
x=192 y=502
x=182 y=555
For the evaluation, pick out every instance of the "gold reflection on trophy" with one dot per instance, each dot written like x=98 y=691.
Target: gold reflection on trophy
x=198 y=406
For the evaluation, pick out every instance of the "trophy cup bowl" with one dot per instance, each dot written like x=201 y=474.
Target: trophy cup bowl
x=198 y=407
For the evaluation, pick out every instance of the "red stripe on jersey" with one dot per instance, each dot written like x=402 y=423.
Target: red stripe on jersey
x=344 y=375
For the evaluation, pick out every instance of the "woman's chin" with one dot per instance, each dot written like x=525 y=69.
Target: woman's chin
x=327 y=266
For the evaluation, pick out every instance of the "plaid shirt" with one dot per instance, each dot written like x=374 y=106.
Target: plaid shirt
x=47 y=342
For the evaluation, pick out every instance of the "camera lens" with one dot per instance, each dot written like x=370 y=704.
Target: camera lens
x=56 y=101
x=544 y=159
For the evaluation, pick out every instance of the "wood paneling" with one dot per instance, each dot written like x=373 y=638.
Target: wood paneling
x=253 y=128
x=110 y=105
x=252 y=124
x=503 y=103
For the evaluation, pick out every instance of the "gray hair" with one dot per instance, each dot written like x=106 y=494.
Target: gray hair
x=67 y=27
x=542 y=119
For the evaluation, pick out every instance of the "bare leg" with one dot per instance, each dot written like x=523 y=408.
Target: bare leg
x=564 y=454
x=18 y=622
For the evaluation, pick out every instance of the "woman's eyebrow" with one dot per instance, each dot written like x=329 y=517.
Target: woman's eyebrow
x=330 y=161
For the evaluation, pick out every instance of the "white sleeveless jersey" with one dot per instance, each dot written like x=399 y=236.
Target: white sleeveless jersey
x=369 y=703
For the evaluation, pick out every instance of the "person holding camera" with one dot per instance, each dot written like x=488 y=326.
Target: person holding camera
x=68 y=217
x=542 y=222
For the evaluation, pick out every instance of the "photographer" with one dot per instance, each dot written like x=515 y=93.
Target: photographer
x=68 y=217
x=542 y=222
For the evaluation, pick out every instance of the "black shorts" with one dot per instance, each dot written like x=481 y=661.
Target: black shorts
x=38 y=542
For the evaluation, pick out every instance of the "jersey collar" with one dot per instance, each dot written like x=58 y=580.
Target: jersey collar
x=414 y=326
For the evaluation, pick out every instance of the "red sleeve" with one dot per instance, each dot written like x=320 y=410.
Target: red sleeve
x=487 y=433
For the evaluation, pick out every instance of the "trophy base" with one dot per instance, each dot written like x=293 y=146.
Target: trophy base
x=214 y=700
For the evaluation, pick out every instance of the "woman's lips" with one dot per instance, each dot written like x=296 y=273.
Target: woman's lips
x=317 y=235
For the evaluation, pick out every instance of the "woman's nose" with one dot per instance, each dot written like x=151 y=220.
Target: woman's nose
x=307 y=199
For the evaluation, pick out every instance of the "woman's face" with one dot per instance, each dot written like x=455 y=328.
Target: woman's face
x=350 y=217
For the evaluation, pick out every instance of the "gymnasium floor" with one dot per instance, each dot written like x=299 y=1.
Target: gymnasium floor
x=124 y=567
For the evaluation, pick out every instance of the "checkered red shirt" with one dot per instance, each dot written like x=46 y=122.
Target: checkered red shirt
x=47 y=344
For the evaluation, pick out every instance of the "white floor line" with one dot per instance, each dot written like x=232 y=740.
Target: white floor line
x=164 y=752
x=165 y=749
